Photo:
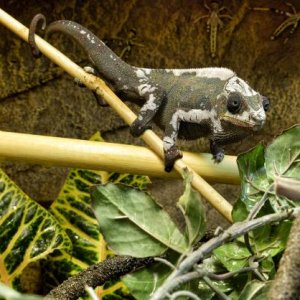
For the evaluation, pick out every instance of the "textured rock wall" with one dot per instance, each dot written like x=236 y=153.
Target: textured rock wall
x=36 y=97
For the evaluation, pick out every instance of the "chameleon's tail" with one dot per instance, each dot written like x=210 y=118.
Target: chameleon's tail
x=108 y=64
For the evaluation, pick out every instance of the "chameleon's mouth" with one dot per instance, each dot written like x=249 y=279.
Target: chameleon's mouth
x=241 y=123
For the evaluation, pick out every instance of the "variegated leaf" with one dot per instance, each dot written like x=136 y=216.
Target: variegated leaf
x=28 y=232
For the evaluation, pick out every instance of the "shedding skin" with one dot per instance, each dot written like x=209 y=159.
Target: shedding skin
x=187 y=103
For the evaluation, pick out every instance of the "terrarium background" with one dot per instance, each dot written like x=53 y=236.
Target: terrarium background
x=37 y=97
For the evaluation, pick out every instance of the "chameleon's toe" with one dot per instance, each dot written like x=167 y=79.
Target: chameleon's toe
x=219 y=156
x=100 y=100
x=171 y=156
x=137 y=128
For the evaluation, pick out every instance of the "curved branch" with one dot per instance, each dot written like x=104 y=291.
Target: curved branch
x=96 y=275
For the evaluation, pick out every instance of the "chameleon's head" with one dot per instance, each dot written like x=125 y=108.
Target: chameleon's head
x=244 y=107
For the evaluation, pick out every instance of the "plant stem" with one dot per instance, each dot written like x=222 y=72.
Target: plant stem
x=234 y=231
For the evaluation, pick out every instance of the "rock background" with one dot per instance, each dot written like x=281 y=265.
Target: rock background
x=37 y=97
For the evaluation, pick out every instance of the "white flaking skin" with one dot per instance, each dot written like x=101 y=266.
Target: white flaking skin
x=220 y=73
x=146 y=88
x=150 y=104
x=236 y=84
x=192 y=116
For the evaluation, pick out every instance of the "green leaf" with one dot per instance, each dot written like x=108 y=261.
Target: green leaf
x=239 y=211
x=271 y=240
x=11 y=294
x=28 y=232
x=143 y=282
x=193 y=211
x=255 y=290
x=133 y=224
x=253 y=181
x=283 y=155
x=233 y=256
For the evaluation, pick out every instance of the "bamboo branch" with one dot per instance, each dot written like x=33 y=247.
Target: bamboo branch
x=65 y=152
x=98 y=85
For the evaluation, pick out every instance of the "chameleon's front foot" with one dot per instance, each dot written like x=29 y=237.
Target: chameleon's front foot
x=138 y=127
x=217 y=152
x=171 y=155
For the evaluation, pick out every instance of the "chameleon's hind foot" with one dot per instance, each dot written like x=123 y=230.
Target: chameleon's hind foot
x=171 y=155
x=92 y=71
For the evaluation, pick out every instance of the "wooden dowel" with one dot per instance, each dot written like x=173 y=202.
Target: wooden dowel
x=98 y=85
x=65 y=152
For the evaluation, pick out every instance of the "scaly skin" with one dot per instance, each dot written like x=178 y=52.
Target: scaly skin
x=191 y=103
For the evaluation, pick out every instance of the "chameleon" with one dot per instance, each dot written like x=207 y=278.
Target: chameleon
x=210 y=102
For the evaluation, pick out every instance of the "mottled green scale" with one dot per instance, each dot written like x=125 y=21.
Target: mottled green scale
x=187 y=91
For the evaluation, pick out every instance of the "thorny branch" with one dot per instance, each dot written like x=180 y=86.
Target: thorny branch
x=234 y=231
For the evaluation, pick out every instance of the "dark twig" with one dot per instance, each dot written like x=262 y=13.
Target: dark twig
x=96 y=275
x=234 y=231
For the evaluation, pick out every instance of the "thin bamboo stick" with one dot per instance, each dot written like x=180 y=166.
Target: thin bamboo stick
x=66 y=152
x=96 y=84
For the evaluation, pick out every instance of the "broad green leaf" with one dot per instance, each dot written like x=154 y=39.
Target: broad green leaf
x=267 y=268
x=133 y=224
x=239 y=211
x=283 y=155
x=143 y=282
x=271 y=240
x=193 y=211
x=233 y=256
x=11 y=294
x=253 y=181
x=28 y=232
x=255 y=290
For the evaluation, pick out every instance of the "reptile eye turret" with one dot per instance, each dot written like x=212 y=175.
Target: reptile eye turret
x=266 y=103
x=234 y=103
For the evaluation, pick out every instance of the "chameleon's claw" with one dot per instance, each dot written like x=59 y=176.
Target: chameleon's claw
x=218 y=157
x=171 y=155
x=137 y=128
x=217 y=152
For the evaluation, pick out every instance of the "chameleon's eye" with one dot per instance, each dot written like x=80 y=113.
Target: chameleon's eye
x=265 y=103
x=234 y=103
